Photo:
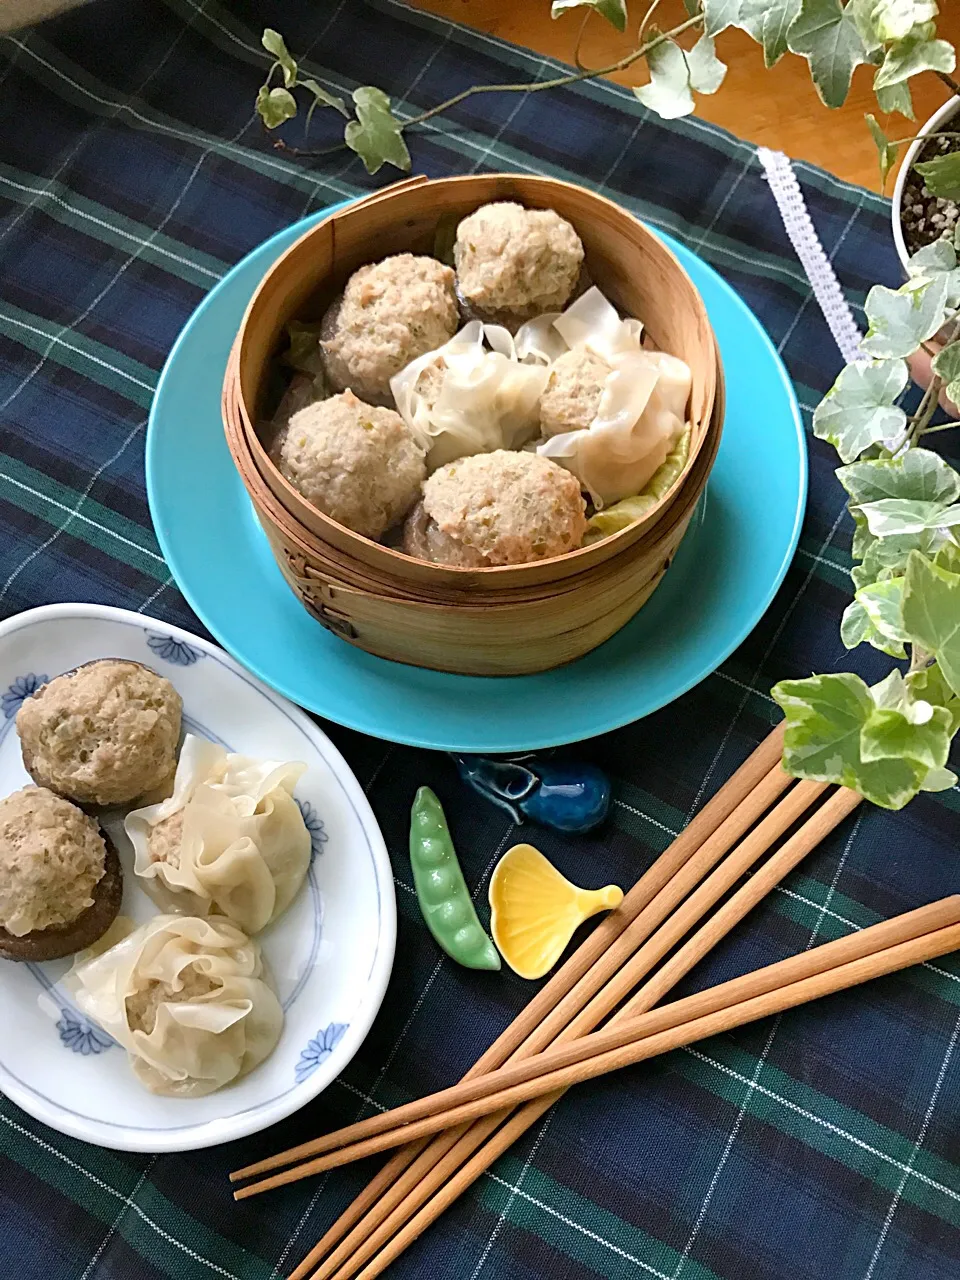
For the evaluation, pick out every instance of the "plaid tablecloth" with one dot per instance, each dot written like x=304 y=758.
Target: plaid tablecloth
x=822 y=1145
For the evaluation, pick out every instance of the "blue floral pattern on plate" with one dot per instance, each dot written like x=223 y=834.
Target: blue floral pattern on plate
x=82 y=1036
x=22 y=688
x=314 y=824
x=178 y=652
x=319 y=1049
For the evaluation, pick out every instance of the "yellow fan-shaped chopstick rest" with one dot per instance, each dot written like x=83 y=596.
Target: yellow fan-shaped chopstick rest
x=535 y=910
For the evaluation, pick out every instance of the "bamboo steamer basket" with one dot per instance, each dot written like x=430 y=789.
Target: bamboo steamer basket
x=496 y=621
x=628 y=263
x=474 y=631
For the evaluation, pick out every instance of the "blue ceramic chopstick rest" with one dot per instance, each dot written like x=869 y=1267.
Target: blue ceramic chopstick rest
x=568 y=797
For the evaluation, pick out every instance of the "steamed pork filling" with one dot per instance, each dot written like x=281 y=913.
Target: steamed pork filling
x=390 y=313
x=357 y=463
x=142 y=1006
x=495 y=509
x=165 y=840
x=572 y=395
x=52 y=857
x=104 y=734
x=517 y=260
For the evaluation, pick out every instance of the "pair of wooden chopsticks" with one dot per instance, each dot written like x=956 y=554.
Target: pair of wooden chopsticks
x=397 y=1205
x=908 y=939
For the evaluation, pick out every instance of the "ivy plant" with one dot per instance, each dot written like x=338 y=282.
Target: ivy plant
x=890 y=740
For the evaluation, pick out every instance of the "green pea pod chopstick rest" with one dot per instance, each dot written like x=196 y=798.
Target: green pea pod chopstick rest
x=441 y=889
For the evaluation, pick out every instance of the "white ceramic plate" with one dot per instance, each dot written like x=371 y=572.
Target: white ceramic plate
x=330 y=954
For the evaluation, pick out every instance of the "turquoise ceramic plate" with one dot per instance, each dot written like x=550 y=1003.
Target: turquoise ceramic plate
x=721 y=581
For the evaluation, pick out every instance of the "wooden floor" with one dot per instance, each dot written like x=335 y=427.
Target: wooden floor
x=777 y=108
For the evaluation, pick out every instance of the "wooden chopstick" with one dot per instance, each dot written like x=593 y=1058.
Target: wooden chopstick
x=433 y=1166
x=724 y=819
x=890 y=960
x=714 y=887
x=738 y=796
x=766 y=991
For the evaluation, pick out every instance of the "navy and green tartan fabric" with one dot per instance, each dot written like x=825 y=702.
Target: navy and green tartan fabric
x=822 y=1145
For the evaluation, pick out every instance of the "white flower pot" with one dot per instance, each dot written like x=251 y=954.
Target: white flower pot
x=938 y=119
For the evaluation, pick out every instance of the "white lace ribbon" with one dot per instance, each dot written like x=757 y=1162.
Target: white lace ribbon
x=796 y=220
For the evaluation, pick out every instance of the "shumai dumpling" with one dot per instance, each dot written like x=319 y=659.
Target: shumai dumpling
x=230 y=840
x=187 y=1000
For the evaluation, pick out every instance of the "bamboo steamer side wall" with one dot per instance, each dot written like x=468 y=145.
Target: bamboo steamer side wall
x=516 y=639
x=628 y=263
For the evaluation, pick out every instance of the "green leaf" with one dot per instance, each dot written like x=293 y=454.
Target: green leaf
x=900 y=319
x=668 y=93
x=692 y=7
x=826 y=35
x=859 y=409
x=937 y=258
x=777 y=19
x=855 y=626
x=376 y=135
x=890 y=735
x=706 y=71
x=275 y=105
x=931 y=613
x=930 y=686
x=615 y=11
x=892 y=516
x=882 y=21
x=883 y=604
x=942 y=175
x=947 y=364
x=887 y=151
x=918 y=474
x=826 y=716
x=895 y=98
x=274 y=44
x=323 y=99
x=911 y=56
x=939 y=780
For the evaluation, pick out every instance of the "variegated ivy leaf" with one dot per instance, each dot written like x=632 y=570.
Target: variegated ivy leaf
x=947 y=364
x=892 y=516
x=668 y=93
x=826 y=34
x=275 y=105
x=909 y=57
x=767 y=21
x=906 y=724
x=918 y=474
x=321 y=98
x=942 y=175
x=855 y=626
x=900 y=319
x=376 y=134
x=890 y=735
x=705 y=69
x=887 y=151
x=859 y=409
x=938 y=258
x=883 y=21
x=939 y=780
x=895 y=98
x=826 y=717
x=882 y=602
x=274 y=44
x=929 y=685
x=615 y=11
x=931 y=613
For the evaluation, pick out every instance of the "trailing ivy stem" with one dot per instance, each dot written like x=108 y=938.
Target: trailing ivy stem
x=559 y=82
x=949 y=81
x=928 y=406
